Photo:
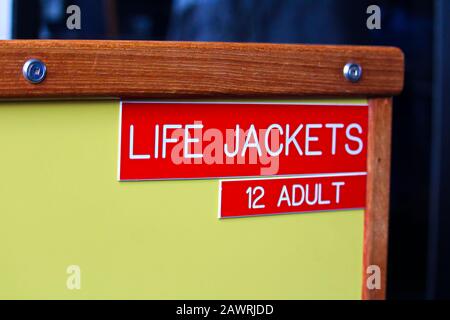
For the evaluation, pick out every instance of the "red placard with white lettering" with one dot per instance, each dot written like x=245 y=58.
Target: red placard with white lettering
x=240 y=198
x=191 y=140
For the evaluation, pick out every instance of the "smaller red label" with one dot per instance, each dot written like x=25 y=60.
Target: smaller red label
x=309 y=193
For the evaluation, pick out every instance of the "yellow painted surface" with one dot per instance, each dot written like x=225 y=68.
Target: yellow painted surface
x=61 y=205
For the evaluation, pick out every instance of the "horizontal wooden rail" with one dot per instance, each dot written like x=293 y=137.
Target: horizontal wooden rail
x=141 y=69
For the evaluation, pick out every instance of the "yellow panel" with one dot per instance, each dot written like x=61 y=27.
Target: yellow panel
x=61 y=205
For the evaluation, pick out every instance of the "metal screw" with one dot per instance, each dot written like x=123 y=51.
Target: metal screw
x=34 y=71
x=352 y=72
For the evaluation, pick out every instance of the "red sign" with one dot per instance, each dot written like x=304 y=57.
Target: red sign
x=170 y=140
x=240 y=198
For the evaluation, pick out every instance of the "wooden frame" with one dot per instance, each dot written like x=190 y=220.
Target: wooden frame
x=189 y=69
x=227 y=70
x=377 y=204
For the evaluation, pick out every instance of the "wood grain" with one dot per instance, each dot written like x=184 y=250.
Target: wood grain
x=377 y=209
x=138 y=69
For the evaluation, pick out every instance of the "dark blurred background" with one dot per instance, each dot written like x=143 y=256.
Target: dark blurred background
x=419 y=244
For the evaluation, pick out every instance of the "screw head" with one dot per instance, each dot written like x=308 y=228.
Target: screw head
x=34 y=71
x=352 y=72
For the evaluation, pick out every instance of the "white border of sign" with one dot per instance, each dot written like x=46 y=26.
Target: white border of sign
x=321 y=102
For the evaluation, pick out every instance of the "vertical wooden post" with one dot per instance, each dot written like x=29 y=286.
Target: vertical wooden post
x=378 y=182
